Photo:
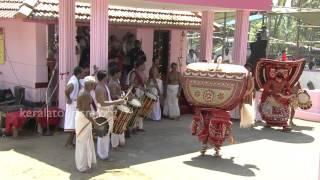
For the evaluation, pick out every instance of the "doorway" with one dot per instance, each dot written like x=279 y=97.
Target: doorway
x=161 y=49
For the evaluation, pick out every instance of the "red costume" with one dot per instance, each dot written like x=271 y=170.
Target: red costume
x=277 y=78
x=284 y=56
x=213 y=92
x=211 y=126
x=274 y=108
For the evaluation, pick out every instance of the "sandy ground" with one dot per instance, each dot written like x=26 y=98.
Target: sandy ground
x=168 y=151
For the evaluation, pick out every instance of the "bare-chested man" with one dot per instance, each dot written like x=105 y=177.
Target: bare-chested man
x=115 y=91
x=85 y=155
x=137 y=79
x=105 y=109
x=155 y=84
x=172 y=93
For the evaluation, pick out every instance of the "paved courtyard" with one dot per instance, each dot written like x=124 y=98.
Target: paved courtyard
x=168 y=151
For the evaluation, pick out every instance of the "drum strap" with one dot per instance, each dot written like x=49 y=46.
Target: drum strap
x=139 y=79
x=94 y=106
x=83 y=129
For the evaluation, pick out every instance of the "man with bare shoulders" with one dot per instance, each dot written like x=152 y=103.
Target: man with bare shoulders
x=85 y=156
x=71 y=93
x=105 y=109
x=172 y=93
x=115 y=91
x=137 y=79
x=155 y=85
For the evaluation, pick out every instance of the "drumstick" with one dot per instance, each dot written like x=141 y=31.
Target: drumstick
x=128 y=92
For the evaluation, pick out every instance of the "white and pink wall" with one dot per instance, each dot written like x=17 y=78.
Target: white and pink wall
x=25 y=57
x=314 y=112
x=26 y=53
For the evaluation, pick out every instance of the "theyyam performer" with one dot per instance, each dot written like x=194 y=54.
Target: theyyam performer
x=281 y=91
x=85 y=156
x=105 y=107
x=71 y=93
x=213 y=90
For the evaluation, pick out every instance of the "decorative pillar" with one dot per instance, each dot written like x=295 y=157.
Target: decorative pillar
x=146 y=36
x=99 y=34
x=67 y=53
x=240 y=43
x=240 y=48
x=206 y=35
x=178 y=49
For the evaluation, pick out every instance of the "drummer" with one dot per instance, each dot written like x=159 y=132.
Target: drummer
x=105 y=109
x=85 y=156
x=115 y=92
x=138 y=80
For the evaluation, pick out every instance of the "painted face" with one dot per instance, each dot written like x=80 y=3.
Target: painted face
x=272 y=73
x=279 y=76
x=285 y=74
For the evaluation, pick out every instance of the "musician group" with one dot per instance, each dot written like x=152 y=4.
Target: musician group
x=99 y=106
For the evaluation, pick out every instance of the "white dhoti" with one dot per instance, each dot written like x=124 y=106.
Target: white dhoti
x=104 y=142
x=117 y=139
x=69 y=119
x=171 y=103
x=156 y=109
x=85 y=156
x=139 y=121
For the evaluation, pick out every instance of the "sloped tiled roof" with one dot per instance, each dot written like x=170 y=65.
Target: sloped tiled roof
x=8 y=8
x=47 y=10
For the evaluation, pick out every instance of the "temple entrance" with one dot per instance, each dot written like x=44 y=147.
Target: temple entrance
x=161 y=49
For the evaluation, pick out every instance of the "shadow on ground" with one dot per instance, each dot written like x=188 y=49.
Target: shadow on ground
x=222 y=165
x=276 y=134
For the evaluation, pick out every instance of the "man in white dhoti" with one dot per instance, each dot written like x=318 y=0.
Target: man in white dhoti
x=155 y=85
x=71 y=93
x=173 y=91
x=85 y=155
x=115 y=91
x=227 y=58
x=105 y=109
x=137 y=79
